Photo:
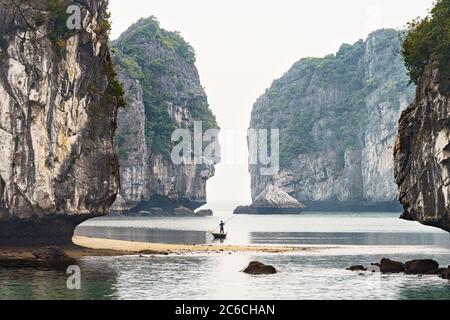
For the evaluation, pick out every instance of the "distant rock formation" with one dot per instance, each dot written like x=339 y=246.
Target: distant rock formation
x=163 y=93
x=338 y=117
x=58 y=109
x=272 y=200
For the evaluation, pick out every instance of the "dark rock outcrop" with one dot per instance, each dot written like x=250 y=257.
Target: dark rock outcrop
x=414 y=267
x=183 y=211
x=272 y=200
x=258 y=268
x=446 y=274
x=422 y=152
x=389 y=266
x=205 y=213
x=421 y=267
x=58 y=109
x=357 y=268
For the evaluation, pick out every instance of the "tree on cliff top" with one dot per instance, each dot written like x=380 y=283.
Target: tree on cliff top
x=428 y=38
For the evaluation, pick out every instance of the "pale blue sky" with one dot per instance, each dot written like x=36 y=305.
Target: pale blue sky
x=243 y=45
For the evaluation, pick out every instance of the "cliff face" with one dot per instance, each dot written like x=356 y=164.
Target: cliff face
x=422 y=152
x=163 y=92
x=338 y=121
x=58 y=108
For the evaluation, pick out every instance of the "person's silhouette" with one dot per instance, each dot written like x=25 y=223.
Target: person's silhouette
x=222 y=227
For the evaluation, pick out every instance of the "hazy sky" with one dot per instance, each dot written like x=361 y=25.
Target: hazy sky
x=243 y=45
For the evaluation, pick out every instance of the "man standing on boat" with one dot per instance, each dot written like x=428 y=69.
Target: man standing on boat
x=222 y=227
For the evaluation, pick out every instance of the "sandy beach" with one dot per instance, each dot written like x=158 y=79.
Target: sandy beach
x=161 y=248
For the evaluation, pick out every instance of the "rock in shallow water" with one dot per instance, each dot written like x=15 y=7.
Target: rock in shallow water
x=421 y=267
x=357 y=268
x=446 y=274
x=389 y=266
x=205 y=213
x=258 y=268
x=50 y=253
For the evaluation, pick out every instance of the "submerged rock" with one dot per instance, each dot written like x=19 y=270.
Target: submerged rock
x=446 y=274
x=357 y=268
x=272 y=200
x=258 y=268
x=51 y=253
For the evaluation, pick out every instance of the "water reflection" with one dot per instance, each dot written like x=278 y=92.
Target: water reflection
x=272 y=238
x=144 y=235
x=98 y=281
x=218 y=276
x=352 y=238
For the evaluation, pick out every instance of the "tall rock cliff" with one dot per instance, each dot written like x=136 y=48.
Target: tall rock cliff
x=338 y=121
x=163 y=92
x=422 y=151
x=58 y=108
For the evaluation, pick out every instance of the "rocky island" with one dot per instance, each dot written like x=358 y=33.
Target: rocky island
x=337 y=117
x=163 y=92
x=58 y=107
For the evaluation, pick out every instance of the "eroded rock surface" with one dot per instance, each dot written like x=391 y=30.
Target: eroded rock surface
x=163 y=93
x=338 y=119
x=422 y=153
x=58 y=108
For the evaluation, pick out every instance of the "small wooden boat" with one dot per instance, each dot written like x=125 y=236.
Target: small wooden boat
x=219 y=235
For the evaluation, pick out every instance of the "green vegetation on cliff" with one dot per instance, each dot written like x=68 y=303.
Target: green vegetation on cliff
x=428 y=38
x=322 y=104
x=57 y=17
x=164 y=64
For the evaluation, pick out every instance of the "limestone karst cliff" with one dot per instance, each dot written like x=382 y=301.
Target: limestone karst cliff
x=422 y=151
x=58 y=109
x=338 y=122
x=163 y=92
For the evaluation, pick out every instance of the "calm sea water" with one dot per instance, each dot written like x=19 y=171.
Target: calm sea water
x=357 y=238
